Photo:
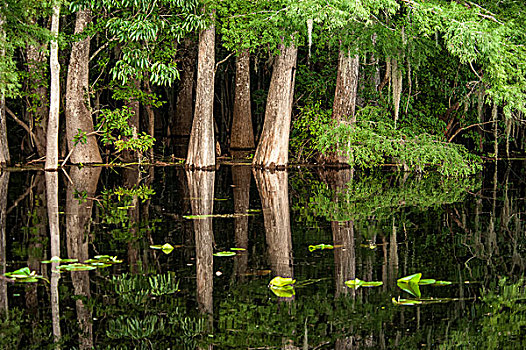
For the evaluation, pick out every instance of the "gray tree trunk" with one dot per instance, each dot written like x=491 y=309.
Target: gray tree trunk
x=54 y=98
x=344 y=105
x=4 y=182
x=273 y=148
x=4 y=149
x=78 y=115
x=242 y=134
x=201 y=148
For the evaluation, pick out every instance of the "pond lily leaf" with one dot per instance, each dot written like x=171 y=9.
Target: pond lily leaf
x=320 y=247
x=428 y=281
x=237 y=249
x=56 y=259
x=283 y=291
x=166 y=248
x=281 y=281
x=27 y=280
x=20 y=273
x=406 y=302
x=104 y=259
x=225 y=254
x=357 y=283
x=442 y=283
x=76 y=267
x=410 y=287
x=411 y=278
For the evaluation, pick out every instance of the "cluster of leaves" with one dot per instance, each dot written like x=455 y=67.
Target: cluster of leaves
x=368 y=144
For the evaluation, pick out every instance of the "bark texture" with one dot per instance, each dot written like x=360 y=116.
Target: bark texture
x=273 y=147
x=201 y=148
x=54 y=98
x=78 y=115
x=274 y=194
x=4 y=149
x=345 y=95
x=4 y=181
x=241 y=176
x=184 y=110
x=201 y=185
x=242 y=134
x=78 y=216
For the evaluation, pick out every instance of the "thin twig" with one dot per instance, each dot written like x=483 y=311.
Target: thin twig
x=222 y=61
x=21 y=123
x=466 y=128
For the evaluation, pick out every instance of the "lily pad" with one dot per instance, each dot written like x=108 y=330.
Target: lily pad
x=442 y=283
x=283 y=291
x=56 y=259
x=24 y=275
x=225 y=253
x=411 y=278
x=237 y=249
x=320 y=247
x=166 y=248
x=281 y=281
x=406 y=302
x=357 y=283
x=76 y=267
x=410 y=287
x=424 y=282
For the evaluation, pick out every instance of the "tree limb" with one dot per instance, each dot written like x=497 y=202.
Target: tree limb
x=466 y=128
x=22 y=124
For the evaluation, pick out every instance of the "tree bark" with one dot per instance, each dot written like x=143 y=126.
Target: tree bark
x=242 y=134
x=54 y=98
x=4 y=182
x=201 y=148
x=37 y=110
x=78 y=216
x=201 y=185
x=273 y=147
x=344 y=105
x=396 y=80
x=78 y=115
x=4 y=149
x=274 y=193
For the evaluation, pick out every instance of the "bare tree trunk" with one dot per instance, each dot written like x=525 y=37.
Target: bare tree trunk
x=37 y=103
x=54 y=232
x=241 y=176
x=78 y=216
x=151 y=118
x=345 y=96
x=78 y=115
x=54 y=98
x=273 y=147
x=4 y=149
x=201 y=185
x=242 y=134
x=274 y=193
x=201 y=148
x=182 y=123
x=4 y=182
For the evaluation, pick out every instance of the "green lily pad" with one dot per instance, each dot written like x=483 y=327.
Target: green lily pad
x=237 y=249
x=411 y=278
x=166 y=248
x=27 y=280
x=20 y=273
x=442 y=283
x=224 y=254
x=410 y=287
x=406 y=302
x=320 y=247
x=56 y=259
x=424 y=282
x=357 y=283
x=281 y=281
x=283 y=291
x=76 y=267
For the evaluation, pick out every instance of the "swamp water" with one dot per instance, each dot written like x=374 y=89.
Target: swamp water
x=232 y=231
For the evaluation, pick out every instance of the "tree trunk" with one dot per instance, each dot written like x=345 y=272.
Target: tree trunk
x=273 y=147
x=78 y=115
x=396 y=80
x=54 y=98
x=4 y=149
x=241 y=176
x=78 y=216
x=201 y=148
x=4 y=182
x=54 y=232
x=182 y=123
x=344 y=105
x=201 y=185
x=134 y=120
x=242 y=134
x=37 y=101
x=274 y=193
x=151 y=119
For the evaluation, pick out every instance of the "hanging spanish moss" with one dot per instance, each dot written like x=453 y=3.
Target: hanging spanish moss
x=309 y=35
x=396 y=81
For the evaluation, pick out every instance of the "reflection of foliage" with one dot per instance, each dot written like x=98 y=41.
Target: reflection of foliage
x=377 y=197
x=142 y=312
x=501 y=322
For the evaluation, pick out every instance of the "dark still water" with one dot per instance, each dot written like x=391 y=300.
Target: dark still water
x=232 y=231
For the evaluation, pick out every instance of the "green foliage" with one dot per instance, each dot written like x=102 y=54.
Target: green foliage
x=368 y=144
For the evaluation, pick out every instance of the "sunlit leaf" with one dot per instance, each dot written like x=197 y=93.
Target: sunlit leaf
x=20 y=273
x=427 y=281
x=283 y=291
x=224 y=254
x=76 y=267
x=442 y=283
x=411 y=288
x=237 y=249
x=166 y=248
x=281 y=281
x=320 y=247
x=56 y=259
x=357 y=283
x=406 y=302
x=411 y=278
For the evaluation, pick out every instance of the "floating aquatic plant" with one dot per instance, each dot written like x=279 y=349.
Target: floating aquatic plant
x=24 y=275
x=56 y=259
x=282 y=287
x=357 y=283
x=225 y=253
x=411 y=283
x=97 y=262
x=320 y=247
x=166 y=248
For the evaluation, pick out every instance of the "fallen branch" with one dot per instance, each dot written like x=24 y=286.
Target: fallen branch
x=22 y=124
